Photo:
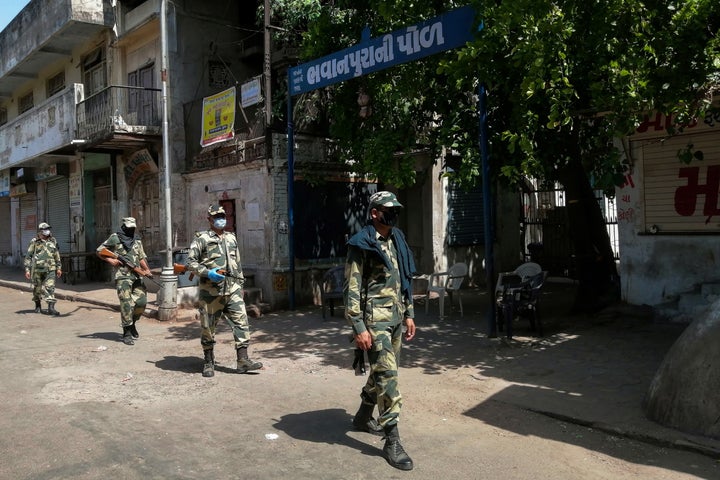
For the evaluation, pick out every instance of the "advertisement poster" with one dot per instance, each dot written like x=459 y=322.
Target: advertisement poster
x=218 y=117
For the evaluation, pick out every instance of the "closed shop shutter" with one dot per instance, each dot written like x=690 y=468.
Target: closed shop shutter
x=59 y=212
x=28 y=220
x=682 y=197
x=5 y=233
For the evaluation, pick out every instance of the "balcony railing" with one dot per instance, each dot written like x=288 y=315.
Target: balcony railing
x=50 y=125
x=119 y=109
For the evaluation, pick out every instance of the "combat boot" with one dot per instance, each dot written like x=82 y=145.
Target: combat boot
x=127 y=336
x=393 y=451
x=38 y=308
x=133 y=330
x=51 y=309
x=364 y=422
x=244 y=364
x=209 y=367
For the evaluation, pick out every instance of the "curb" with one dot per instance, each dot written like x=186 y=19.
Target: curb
x=676 y=443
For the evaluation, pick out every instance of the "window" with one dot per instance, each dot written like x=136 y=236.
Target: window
x=56 y=84
x=94 y=77
x=3 y=115
x=25 y=103
x=219 y=74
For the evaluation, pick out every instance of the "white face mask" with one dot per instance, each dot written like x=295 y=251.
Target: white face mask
x=45 y=232
x=219 y=223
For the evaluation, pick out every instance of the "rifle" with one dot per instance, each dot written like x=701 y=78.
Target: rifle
x=358 y=359
x=107 y=253
x=179 y=269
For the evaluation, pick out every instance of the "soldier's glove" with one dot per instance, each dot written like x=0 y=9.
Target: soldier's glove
x=214 y=276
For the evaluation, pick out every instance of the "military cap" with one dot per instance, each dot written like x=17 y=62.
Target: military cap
x=384 y=199
x=215 y=209
x=129 y=222
x=44 y=226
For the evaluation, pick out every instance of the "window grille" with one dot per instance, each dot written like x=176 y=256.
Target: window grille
x=56 y=84
x=26 y=102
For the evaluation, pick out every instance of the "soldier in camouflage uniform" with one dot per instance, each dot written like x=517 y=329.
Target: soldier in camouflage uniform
x=42 y=266
x=214 y=256
x=378 y=302
x=131 y=290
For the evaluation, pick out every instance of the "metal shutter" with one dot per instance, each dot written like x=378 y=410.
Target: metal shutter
x=6 y=234
x=682 y=197
x=465 y=216
x=58 y=202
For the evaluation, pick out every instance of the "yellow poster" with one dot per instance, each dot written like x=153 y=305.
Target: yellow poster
x=218 y=117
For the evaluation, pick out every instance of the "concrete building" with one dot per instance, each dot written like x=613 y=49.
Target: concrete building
x=81 y=145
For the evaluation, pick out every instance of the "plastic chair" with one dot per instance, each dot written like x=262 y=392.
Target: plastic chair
x=331 y=288
x=448 y=283
x=521 y=273
x=518 y=296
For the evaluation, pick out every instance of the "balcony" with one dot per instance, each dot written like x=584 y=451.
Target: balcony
x=46 y=128
x=45 y=32
x=119 y=116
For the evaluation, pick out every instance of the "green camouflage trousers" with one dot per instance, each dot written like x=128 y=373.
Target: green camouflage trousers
x=382 y=383
x=213 y=308
x=43 y=286
x=133 y=298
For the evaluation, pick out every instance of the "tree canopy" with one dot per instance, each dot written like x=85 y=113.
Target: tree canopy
x=565 y=79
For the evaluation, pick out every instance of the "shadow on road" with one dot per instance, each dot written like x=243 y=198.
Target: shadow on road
x=179 y=364
x=330 y=426
x=114 y=336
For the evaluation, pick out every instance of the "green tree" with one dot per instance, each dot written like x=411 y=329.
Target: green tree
x=566 y=78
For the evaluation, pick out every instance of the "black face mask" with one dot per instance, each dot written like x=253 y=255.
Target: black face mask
x=130 y=232
x=388 y=217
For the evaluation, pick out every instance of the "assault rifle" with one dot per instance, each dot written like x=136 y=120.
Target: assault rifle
x=107 y=253
x=179 y=269
x=358 y=359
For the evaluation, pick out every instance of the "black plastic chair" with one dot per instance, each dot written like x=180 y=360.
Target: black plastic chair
x=519 y=297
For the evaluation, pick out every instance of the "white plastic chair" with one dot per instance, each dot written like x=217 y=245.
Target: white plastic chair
x=524 y=271
x=448 y=283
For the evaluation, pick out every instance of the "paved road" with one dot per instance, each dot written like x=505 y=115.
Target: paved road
x=79 y=404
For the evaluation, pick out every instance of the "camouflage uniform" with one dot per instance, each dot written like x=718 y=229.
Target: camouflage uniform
x=130 y=288
x=212 y=250
x=374 y=302
x=43 y=263
x=378 y=305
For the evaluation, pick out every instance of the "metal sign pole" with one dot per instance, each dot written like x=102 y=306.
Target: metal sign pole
x=487 y=209
x=291 y=194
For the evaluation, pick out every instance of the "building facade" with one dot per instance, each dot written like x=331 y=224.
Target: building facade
x=81 y=146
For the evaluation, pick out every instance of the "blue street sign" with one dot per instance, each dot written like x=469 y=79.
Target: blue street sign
x=444 y=32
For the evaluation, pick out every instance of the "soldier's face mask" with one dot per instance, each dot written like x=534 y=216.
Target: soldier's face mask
x=45 y=233
x=129 y=231
x=388 y=216
x=219 y=222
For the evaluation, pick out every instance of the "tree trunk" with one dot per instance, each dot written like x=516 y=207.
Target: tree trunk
x=594 y=258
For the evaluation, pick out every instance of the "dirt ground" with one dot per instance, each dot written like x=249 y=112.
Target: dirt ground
x=80 y=404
